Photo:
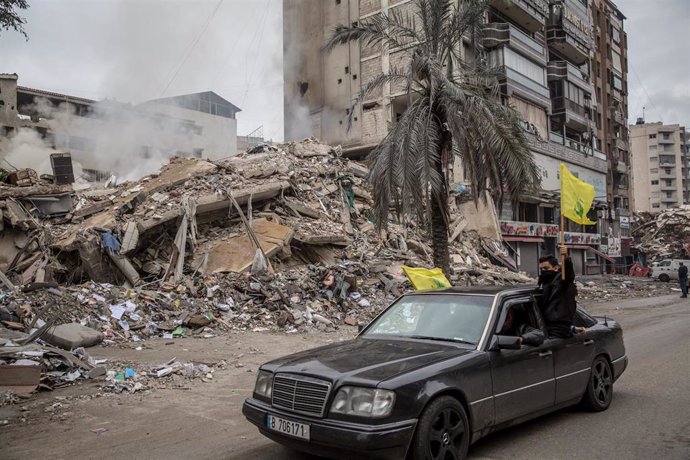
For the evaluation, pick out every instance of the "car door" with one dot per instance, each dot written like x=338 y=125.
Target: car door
x=573 y=361
x=523 y=380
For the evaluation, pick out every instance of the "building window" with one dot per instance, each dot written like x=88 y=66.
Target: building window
x=652 y=147
x=656 y=205
x=653 y=159
x=655 y=182
x=669 y=194
x=652 y=136
x=524 y=66
x=654 y=170
x=615 y=35
x=667 y=170
x=669 y=182
x=616 y=82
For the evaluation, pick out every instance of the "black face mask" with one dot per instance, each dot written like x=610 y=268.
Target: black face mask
x=546 y=276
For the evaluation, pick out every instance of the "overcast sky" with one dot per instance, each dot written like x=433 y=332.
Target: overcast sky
x=134 y=50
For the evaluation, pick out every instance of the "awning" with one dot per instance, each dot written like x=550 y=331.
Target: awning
x=595 y=251
x=524 y=239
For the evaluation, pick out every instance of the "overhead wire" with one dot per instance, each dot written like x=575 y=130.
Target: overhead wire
x=260 y=30
x=649 y=99
x=190 y=48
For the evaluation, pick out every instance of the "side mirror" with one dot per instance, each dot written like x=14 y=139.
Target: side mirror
x=505 y=342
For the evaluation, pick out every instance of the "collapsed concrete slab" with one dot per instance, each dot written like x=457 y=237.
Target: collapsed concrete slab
x=237 y=254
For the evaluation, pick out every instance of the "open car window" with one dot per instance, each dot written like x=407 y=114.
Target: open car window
x=456 y=318
x=524 y=312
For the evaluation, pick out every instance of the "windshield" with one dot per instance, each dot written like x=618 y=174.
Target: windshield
x=457 y=318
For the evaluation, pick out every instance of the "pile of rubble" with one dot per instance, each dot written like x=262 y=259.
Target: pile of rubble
x=618 y=287
x=275 y=237
x=664 y=235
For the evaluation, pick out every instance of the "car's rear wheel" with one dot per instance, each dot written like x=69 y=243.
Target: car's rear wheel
x=600 y=387
x=443 y=431
x=665 y=278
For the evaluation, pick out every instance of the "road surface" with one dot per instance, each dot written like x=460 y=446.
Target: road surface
x=649 y=416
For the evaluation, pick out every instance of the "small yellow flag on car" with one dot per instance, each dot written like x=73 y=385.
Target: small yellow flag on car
x=424 y=278
x=576 y=197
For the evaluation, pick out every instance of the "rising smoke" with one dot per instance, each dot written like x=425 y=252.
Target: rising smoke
x=125 y=140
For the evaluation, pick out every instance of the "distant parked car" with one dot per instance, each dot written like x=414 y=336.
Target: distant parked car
x=431 y=375
x=667 y=270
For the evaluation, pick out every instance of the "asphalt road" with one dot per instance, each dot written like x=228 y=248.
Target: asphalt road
x=649 y=416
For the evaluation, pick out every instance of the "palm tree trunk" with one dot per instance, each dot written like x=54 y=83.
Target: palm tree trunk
x=439 y=234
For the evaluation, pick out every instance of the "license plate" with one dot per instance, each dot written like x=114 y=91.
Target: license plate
x=288 y=427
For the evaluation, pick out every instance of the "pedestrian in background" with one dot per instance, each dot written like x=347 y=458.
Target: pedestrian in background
x=683 y=280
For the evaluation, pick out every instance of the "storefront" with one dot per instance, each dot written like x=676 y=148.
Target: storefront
x=528 y=241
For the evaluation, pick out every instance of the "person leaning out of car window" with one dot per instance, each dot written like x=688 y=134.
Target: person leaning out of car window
x=514 y=327
x=558 y=300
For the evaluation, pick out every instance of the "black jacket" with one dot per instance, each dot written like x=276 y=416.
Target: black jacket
x=558 y=302
x=683 y=272
x=530 y=335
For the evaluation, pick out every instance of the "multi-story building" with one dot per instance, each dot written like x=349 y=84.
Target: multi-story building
x=610 y=77
x=659 y=166
x=544 y=48
x=107 y=137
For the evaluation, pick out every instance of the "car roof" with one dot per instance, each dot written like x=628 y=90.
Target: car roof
x=481 y=290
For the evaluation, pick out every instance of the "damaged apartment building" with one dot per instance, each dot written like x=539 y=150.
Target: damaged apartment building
x=108 y=137
x=564 y=67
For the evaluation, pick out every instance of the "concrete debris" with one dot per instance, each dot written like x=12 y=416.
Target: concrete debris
x=279 y=238
x=664 y=235
x=619 y=287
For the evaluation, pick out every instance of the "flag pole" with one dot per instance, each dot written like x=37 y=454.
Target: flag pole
x=563 y=243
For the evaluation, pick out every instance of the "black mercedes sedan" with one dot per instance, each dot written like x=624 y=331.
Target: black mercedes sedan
x=433 y=373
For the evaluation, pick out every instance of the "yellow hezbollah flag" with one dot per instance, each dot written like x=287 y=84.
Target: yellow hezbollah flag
x=576 y=197
x=423 y=278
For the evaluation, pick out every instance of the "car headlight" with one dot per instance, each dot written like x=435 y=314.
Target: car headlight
x=364 y=402
x=264 y=384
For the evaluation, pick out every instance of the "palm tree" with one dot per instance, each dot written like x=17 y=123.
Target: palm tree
x=454 y=110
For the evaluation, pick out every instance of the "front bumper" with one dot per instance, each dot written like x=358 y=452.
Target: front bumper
x=336 y=438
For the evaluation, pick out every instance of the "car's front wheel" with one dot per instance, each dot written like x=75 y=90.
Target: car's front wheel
x=599 y=391
x=443 y=431
x=664 y=278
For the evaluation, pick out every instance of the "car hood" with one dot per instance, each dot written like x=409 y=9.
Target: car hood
x=367 y=360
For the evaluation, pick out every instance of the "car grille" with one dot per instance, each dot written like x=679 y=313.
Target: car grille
x=302 y=395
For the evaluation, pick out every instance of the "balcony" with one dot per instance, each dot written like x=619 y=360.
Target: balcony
x=663 y=141
x=497 y=34
x=617 y=117
x=664 y=175
x=669 y=200
x=570 y=113
x=569 y=32
x=666 y=129
x=576 y=146
x=668 y=161
x=668 y=188
x=563 y=70
x=530 y=14
x=618 y=143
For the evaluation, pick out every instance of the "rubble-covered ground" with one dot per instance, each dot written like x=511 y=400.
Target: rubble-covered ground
x=275 y=239
x=618 y=287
